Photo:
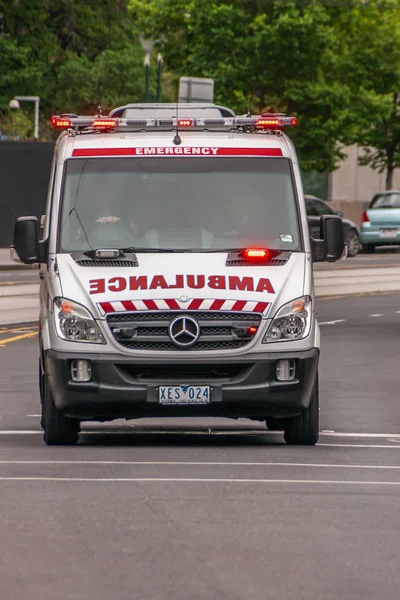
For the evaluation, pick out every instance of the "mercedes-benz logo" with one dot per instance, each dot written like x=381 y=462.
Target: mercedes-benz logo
x=184 y=331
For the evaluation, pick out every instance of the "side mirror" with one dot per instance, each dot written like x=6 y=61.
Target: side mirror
x=330 y=246
x=339 y=213
x=26 y=239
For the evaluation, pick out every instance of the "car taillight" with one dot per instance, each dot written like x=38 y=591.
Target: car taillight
x=365 y=218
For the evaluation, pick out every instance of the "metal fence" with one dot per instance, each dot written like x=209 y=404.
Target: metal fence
x=24 y=177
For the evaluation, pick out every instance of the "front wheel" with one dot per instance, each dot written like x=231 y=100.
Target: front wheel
x=58 y=429
x=353 y=243
x=303 y=430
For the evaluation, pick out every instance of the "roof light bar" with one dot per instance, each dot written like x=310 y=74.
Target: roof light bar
x=245 y=124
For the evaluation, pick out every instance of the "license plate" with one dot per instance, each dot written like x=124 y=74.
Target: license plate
x=388 y=232
x=184 y=394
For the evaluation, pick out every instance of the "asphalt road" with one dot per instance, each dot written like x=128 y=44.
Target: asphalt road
x=212 y=509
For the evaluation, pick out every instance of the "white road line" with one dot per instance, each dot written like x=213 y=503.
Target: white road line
x=332 y=322
x=198 y=480
x=194 y=463
x=33 y=416
x=377 y=315
x=360 y=446
x=361 y=435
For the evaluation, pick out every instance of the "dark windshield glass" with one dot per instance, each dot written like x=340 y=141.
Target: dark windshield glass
x=386 y=201
x=178 y=203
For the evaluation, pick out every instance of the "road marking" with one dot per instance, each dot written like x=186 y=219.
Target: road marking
x=18 y=337
x=377 y=315
x=358 y=446
x=361 y=435
x=33 y=416
x=199 y=480
x=332 y=322
x=18 y=282
x=194 y=463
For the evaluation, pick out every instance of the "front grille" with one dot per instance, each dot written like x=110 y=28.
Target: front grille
x=150 y=330
x=182 y=371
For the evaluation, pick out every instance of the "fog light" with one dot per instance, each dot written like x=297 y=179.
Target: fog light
x=285 y=370
x=81 y=370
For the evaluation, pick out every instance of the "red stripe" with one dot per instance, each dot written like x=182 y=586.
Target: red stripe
x=260 y=307
x=249 y=152
x=175 y=151
x=128 y=305
x=217 y=304
x=107 y=307
x=172 y=304
x=104 y=152
x=239 y=305
x=195 y=304
x=150 y=304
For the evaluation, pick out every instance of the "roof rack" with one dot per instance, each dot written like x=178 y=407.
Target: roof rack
x=248 y=124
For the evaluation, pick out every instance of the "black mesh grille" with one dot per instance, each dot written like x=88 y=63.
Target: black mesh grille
x=107 y=263
x=150 y=330
x=246 y=263
x=198 y=346
x=168 y=316
x=183 y=371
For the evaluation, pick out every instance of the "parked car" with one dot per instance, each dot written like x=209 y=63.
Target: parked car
x=380 y=223
x=316 y=208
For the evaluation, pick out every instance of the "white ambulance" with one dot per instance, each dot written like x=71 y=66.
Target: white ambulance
x=176 y=274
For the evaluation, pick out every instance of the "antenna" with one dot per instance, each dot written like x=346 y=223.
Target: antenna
x=177 y=139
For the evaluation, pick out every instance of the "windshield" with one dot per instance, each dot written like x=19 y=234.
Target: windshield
x=180 y=203
x=386 y=201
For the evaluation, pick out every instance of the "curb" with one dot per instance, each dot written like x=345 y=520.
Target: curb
x=18 y=267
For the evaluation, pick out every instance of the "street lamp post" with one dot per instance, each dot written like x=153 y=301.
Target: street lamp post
x=14 y=103
x=159 y=62
x=147 y=45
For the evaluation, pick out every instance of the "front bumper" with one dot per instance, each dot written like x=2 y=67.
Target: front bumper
x=126 y=388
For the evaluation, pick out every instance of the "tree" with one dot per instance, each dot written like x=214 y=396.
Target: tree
x=263 y=55
x=371 y=68
x=71 y=54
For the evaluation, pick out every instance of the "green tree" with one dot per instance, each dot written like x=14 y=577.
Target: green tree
x=263 y=55
x=371 y=68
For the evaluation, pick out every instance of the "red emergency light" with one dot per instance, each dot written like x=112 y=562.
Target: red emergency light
x=185 y=122
x=274 y=122
x=104 y=124
x=256 y=253
x=60 y=122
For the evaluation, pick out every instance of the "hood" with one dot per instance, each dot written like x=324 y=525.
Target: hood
x=182 y=281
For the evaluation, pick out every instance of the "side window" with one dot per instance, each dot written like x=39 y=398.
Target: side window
x=322 y=208
x=311 y=208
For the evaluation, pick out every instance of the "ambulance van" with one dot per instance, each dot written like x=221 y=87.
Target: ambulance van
x=177 y=274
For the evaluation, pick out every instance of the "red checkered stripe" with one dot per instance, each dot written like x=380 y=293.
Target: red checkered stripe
x=172 y=304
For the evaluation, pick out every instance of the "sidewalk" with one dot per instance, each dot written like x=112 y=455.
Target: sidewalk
x=7 y=264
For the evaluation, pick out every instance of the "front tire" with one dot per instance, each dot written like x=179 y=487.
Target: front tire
x=303 y=430
x=59 y=430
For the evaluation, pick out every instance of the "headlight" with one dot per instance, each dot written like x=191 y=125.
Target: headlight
x=291 y=322
x=75 y=323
